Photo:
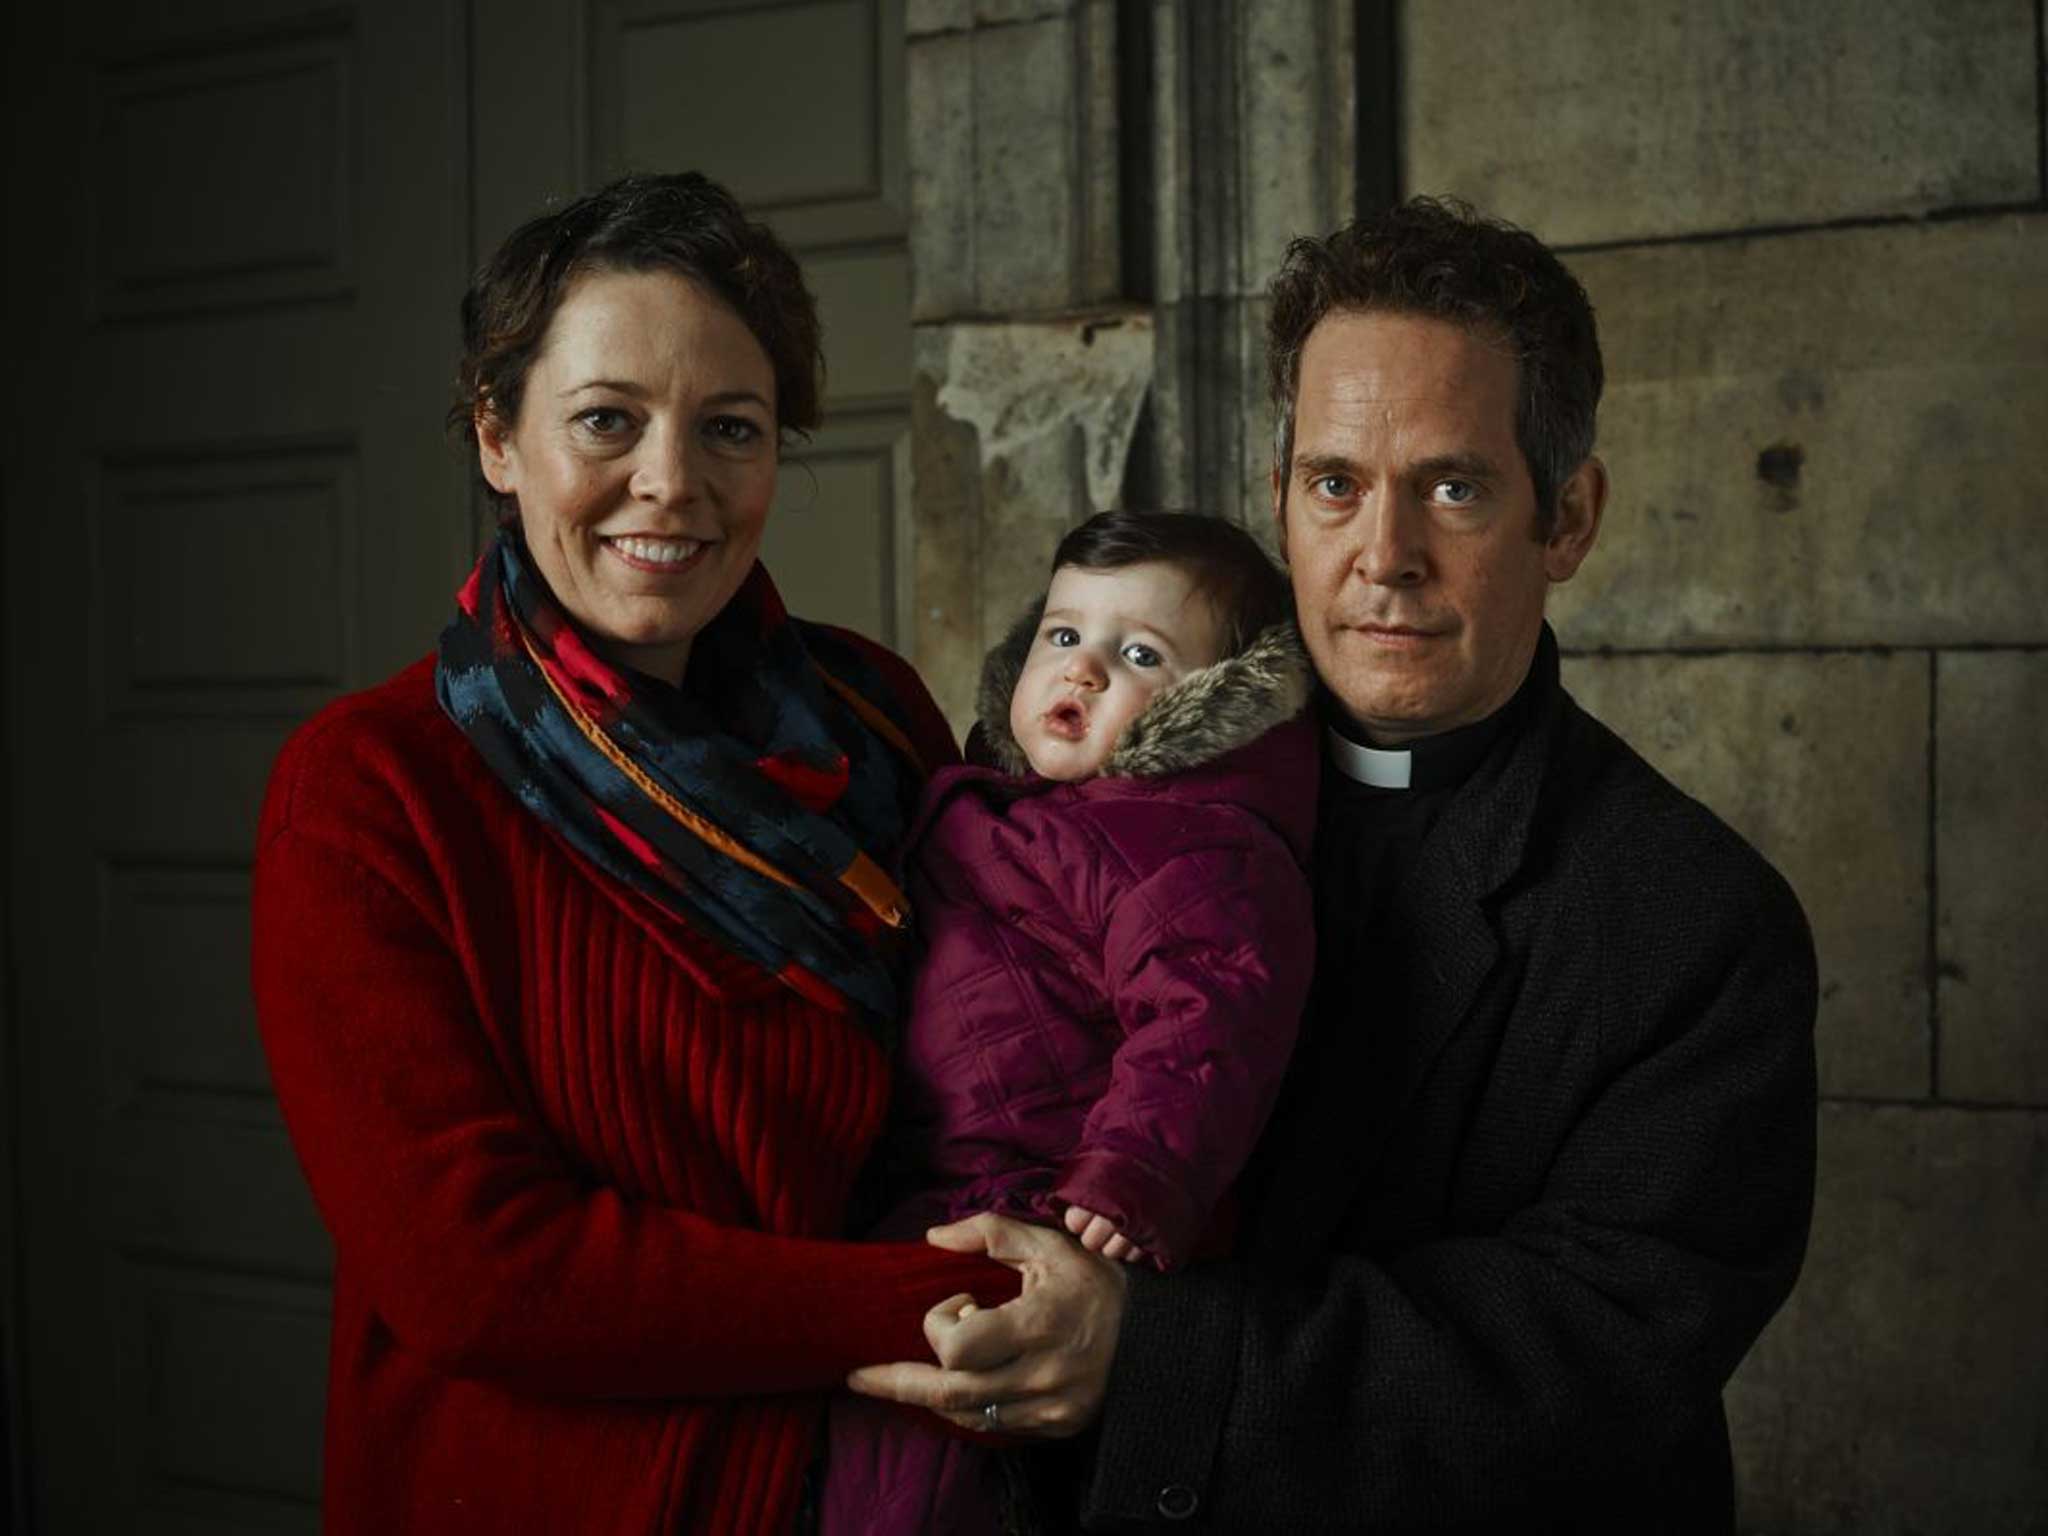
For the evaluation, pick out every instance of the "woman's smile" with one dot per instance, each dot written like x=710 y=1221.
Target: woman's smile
x=643 y=461
x=663 y=557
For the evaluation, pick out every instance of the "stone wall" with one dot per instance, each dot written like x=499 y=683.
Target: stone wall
x=1817 y=243
x=1817 y=238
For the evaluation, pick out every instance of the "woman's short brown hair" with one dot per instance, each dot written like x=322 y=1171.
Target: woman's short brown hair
x=682 y=222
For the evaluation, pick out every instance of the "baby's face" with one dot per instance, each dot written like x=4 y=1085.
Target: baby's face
x=1109 y=641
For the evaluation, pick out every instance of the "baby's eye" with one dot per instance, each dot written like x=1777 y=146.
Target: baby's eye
x=1138 y=654
x=1062 y=636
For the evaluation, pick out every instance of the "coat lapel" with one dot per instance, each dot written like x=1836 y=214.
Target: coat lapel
x=1473 y=852
x=1379 y=1058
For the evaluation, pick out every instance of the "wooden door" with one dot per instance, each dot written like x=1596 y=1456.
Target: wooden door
x=236 y=233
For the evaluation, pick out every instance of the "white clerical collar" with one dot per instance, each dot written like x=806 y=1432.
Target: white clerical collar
x=1381 y=767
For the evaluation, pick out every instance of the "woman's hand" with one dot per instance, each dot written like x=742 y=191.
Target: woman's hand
x=1041 y=1360
x=1098 y=1234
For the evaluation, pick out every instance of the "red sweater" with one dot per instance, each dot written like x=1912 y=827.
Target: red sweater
x=581 y=1167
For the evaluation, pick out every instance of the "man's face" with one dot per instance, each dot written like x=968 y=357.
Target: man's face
x=1409 y=524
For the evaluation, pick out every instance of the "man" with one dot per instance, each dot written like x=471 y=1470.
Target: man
x=1545 y=1165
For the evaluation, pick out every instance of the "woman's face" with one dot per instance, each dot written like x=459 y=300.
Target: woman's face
x=642 y=462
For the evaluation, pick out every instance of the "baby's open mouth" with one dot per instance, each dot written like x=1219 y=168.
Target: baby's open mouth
x=1068 y=719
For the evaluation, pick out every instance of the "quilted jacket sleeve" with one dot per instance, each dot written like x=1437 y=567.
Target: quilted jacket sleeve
x=1208 y=961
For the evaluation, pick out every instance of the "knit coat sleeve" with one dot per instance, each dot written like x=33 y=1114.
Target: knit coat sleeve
x=1207 y=959
x=479 y=1247
x=1460 y=1380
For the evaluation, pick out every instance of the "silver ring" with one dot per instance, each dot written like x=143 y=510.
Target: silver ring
x=992 y=1417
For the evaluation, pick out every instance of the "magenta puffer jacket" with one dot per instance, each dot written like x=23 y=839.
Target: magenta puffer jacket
x=1112 y=971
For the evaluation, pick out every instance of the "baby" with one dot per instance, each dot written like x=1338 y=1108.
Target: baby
x=1117 y=942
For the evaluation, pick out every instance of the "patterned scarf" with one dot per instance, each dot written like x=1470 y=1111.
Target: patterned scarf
x=742 y=803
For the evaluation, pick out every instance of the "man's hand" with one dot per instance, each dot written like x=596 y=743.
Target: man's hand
x=1042 y=1359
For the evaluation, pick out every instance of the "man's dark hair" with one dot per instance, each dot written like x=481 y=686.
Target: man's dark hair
x=1437 y=257
x=1225 y=564
x=683 y=223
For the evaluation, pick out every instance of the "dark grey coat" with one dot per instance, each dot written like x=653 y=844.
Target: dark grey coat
x=1521 y=1222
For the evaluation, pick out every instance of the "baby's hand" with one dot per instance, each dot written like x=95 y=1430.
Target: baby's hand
x=1098 y=1234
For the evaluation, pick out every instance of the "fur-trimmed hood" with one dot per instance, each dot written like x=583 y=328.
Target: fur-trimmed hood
x=1212 y=711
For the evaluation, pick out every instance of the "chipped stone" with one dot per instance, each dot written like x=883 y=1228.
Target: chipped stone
x=1018 y=382
x=1992 y=878
x=1821 y=763
x=1619 y=122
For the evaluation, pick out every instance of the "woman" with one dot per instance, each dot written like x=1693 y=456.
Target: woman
x=574 y=945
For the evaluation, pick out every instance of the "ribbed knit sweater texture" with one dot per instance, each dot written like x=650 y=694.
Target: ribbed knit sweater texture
x=583 y=1170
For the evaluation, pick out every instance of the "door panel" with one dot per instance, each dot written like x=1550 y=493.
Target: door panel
x=228 y=501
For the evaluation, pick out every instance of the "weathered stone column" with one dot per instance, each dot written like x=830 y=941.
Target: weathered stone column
x=1089 y=180
x=1253 y=131
x=1027 y=372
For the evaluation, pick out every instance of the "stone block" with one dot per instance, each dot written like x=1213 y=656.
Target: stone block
x=1003 y=12
x=1013 y=166
x=939 y=76
x=1821 y=763
x=1991 y=827
x=945 y=513
x=1616 y=121
x=1904 y=1388
x=921 y=17
x=1825 y=438
x=1297 y=126
x=1030 y=497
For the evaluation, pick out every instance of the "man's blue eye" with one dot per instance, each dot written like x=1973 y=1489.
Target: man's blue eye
x=1458 y=493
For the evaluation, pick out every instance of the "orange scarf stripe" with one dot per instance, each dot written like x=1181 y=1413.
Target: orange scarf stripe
x=864 y=877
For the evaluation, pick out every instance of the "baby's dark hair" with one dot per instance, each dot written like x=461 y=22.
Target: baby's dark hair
x=1226 y=564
